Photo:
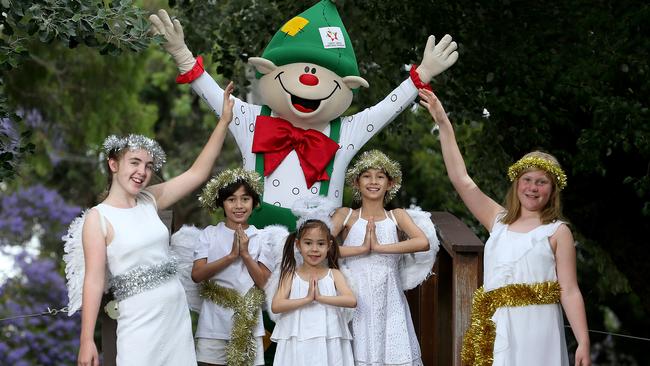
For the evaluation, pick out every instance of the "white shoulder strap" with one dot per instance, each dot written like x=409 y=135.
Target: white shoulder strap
x=345 y=222
x=392 y=217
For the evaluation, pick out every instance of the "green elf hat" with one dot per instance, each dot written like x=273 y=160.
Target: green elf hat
x=315 y=36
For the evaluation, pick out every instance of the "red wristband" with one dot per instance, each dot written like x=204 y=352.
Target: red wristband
x=415 y=77
x=193 y=74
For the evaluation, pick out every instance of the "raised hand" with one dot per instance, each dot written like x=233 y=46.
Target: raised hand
x=162 y=24
x=437 y=57
x=228 y=104
x=431 y=102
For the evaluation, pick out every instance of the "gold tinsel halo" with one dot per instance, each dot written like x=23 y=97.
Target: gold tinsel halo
x=211 y=190
x=540 y=163
x=375 y=159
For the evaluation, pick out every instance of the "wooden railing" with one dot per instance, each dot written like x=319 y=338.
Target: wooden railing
x=440 y=306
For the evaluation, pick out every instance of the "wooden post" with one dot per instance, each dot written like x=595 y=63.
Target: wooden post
x=465 y=259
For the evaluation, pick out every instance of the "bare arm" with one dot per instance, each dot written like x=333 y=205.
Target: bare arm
x=417 y=241
x=571 y=297
x=281 y=301
x=94 y=245
x=482 y=207
x=169 y=192
x=345 y=297
x=258 y=271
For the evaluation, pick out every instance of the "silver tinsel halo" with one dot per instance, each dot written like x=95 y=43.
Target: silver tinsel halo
x=211 y=190
x=375 y=159
x=136 y=142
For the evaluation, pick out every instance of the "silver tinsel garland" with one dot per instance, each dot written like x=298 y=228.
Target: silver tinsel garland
x=136 y=142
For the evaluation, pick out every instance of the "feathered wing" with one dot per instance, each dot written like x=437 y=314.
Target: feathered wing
x=415 y=268
x=183 y=243
x=75 y=265
x=272 y=239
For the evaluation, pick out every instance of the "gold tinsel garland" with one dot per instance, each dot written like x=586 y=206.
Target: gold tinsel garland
x=478 y=343
x=242 y=347
x=210 y=192
x=375 y=159
x=540 y=163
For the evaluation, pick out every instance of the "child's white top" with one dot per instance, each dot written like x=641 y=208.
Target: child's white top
x=215 y=242
x=528 y=335
x=313 y=320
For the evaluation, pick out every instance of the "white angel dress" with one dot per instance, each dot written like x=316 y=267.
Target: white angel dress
x=527 y=335
x=315 y=334
x=382 y=326
x=153 y=326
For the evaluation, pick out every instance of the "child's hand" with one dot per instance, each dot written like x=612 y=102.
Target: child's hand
x=234 y=251
x=243 y=241
x=317 y=296
x=367 y=240
x=429 y=101
x=228 y=104
x=374 y=243
x=311 y=294
x=582 y=356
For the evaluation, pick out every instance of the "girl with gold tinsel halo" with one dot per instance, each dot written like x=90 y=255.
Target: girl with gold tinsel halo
x=372 y=251
x=529 y=262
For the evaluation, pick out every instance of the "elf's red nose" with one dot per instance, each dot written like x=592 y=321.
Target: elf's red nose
x=308 y=79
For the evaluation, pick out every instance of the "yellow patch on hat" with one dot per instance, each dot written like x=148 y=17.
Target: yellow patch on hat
x=294 y=26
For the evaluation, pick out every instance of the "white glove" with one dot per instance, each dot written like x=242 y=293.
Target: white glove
x=175 y=45
x=437 y=57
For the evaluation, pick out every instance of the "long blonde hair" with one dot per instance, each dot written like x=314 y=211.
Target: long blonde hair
x=553 y=209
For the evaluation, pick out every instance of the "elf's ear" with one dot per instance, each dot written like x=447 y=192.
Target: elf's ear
x=262 y=65
x=354 y=82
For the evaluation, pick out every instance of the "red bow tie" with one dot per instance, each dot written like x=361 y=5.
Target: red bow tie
x=275 y=137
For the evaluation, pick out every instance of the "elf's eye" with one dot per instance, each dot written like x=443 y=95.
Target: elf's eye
x=306 y=68
x=313 y=70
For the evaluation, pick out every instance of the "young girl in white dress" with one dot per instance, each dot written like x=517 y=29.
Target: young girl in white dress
x=124 y=236
x=232 y=264
x=382 y=326
x=529 y=262
x=311 y=329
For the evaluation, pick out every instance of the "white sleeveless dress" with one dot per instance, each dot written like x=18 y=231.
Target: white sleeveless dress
x=314 y=334
x=154 y=326
x=527 y=335
x=382 y=326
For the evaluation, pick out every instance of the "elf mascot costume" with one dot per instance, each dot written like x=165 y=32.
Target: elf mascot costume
x=298 y=140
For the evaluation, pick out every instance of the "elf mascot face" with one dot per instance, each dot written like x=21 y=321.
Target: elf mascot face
x=297 y=139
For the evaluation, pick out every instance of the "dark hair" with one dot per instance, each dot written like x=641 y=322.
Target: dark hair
x=288 y=265
x=231 y=188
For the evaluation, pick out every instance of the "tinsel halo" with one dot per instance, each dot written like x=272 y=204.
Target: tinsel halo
x=540 y=163
x=211 y=190
x=136 y=142
x=375 y=159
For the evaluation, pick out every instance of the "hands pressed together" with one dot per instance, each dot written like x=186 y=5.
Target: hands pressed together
x=239 y=244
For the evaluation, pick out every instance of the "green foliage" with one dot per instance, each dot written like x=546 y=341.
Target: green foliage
x=109 y=26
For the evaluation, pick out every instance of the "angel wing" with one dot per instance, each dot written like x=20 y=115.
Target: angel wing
x=415 y=268
x=182 y=246
x=273 y=238
x=75 y=265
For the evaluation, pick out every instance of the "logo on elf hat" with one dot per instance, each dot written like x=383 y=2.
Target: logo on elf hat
x=317 y=36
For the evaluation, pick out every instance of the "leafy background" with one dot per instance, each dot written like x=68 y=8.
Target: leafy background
x=570 y=78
